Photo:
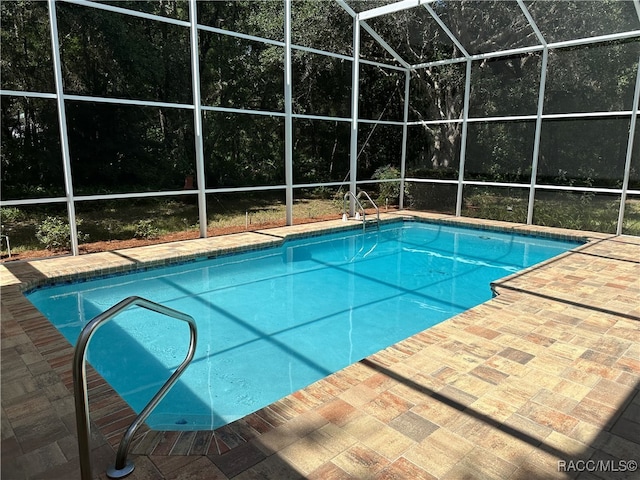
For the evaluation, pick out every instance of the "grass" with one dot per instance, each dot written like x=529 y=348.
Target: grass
x=575 y=211
x=126 y=219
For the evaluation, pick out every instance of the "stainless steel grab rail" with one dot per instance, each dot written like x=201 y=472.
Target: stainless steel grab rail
x=362 y=192
x=356 y=199
x=122 y=467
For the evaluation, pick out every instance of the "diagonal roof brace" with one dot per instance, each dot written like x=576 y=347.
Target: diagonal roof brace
x=532 y=23
x=536 y=48
x=384 y=44
x=373 y=33
x=446 y=30
x=345 y=6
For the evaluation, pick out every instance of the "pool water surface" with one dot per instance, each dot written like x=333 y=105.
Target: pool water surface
x=273 y=321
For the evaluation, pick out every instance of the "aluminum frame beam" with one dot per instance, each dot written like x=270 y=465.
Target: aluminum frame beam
x=518 y=118
x=345 y=6
x=62 y=119
x=129 y=12
x=359 y=22
x=355 y=94
x=543 y=186
x=537 y=135
x=447 y=30
x=384 y=44
x=463 y=141
x=201 y=178
x=535 y=48
x=405 y=134
x=627 y=163
x=288 y=121
x=18 y=93
x=532 y=22
x=392 y=8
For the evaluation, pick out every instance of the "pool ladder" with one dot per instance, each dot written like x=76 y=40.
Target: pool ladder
x=356 y=199
x=122 y=467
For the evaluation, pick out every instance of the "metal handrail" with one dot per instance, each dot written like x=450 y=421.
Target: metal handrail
x=356 y=199
x=357 y=202
x=362 y=192
x=6 y=239
x=122 y=467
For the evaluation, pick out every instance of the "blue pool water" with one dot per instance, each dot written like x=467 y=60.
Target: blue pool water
x=273 y=321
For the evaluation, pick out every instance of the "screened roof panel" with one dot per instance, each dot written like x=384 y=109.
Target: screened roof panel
x=417 y=37
x=562 y=20
x=485 y=27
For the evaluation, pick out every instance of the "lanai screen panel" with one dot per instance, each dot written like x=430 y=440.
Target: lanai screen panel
x=566 y=20
x=487 y=27
x=526 y=102
x=415 y=35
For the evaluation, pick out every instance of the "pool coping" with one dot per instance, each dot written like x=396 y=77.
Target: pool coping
x=63 y=269
x=112 y=415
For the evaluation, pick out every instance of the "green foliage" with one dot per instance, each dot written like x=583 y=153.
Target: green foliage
x=10 y=215
x=146 y=230
x=119 y=221
x=54 y=233
x=429 y=196
x=388 y=192
x=509 y=205
x=124 y=148
x=576 y=211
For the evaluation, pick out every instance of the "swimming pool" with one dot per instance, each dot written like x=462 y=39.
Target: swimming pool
x=273 y=321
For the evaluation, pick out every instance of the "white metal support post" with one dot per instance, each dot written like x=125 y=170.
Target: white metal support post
x=197 y=119
x=355 y=93
x=536 y=141
x=62 y=119
x=541 y=93
x=627 y=164
x=403 y=158
x=463 y=140
x=288 y=110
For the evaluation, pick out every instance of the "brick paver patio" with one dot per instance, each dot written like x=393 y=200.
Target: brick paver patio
x=540 y=382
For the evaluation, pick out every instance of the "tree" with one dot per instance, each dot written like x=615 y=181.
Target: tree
x=125 y=148
x=30 y=148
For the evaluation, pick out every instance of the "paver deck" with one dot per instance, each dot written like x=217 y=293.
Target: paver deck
x=540 y=382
